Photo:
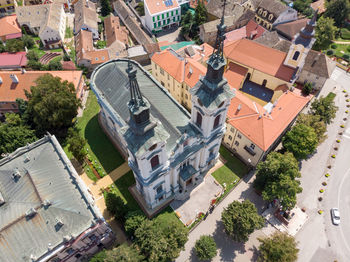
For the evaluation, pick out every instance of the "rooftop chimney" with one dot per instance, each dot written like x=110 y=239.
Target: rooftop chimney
x=239 y=107
x=14 y=78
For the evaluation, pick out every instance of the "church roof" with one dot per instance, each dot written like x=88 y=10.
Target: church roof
x=111 y=84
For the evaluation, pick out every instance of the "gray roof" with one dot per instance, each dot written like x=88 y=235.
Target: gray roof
x=275 y=7
x=172 y=116
x=319 y=64
x=229 y=20
x=271 y=39
x=215 y=7
x=46 y=174
x=85 y=13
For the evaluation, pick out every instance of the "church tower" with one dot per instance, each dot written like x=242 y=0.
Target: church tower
x=211 y=98
x=301 y=45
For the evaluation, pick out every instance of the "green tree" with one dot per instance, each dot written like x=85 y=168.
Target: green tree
x=106 y=8
x=28 y=41
x=33 y=55
x=186 y=23
x=241 y=219
x=325 y=108
x=115 y=205
x=316 y=123
x=325 y=32
x=303 y=6
x=52 y=105
x=133 y=220
x=76 y=145
x=339 y=10
x=14 y=134
x=278 y=247
x=205 y=248
x=36 y=65
x=99 y=257
x=140 y=8
x=275 y=165
x=2 y=47
x=55 y=65
x=123 y=253
x=301 y=140
x=101 y=44
x=176 y=236
x=307 y=88
x=201 y=13
x=14 y=45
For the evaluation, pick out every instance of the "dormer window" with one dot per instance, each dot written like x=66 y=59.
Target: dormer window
x=155 y=162
x=270 y=17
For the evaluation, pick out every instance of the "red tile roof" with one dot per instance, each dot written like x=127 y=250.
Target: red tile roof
x=193 y=70
x=9 y=27
x=259 y=57
x=157 y=6
x=235 y=75
x=10 y=91
x=171 y=62
x=8 y=60
x=252 y=31
x=256 y=124
x=114 y=31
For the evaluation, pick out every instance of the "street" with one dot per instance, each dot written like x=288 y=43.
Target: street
x=319 y=239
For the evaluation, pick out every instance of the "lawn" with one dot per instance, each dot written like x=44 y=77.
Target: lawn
x=338 y=49
x=233 y=170
x=99 y=147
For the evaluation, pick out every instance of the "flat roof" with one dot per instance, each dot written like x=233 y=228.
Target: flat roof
x=158 y=6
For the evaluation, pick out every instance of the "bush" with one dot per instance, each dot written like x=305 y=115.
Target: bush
x=327 y=175
x=321 y=190
x=330 y=52
x=334 y=46
x=348 y=48
x=345 y=33
x=307 y=88
x=115 y=205
x=205 y=248
x=324 y=183
x=346 y=57
x=33 y=55
x=133 y=220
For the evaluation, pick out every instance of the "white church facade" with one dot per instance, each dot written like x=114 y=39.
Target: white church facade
x=168 y=149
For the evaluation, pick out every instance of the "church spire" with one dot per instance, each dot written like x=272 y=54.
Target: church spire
x=135 y=94
x=216 y=62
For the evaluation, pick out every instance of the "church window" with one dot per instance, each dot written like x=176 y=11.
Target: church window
x=248 y=77
x=159 y=189
x=199 y=120
x=216 y=121
x=200 y=102
x=155 y=162
x=264 y=83
x=221 y=104
x=296 y=55
x=152 y=147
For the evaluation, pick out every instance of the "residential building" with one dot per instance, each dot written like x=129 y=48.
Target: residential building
x=251 y=31
x=272 y=39
x=15 y=83
x=86 y=18
x=7 y=7
x=47 y=213
x=32 y=2
x=290 y=29
x=13 y=61
x=254 y=130
x=48 y=21
x=317 y=69
x=169 y=155
x=117 y=37
x=161 y=15
x=86 y=54
x=9 y=28
x=236 y=19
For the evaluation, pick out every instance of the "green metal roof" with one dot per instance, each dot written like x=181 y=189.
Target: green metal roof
x=178 y=45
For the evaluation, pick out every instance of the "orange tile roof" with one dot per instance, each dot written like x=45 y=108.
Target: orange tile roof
x=260 y=127
x=10 y=91
x=259 y=57
x=114 y=31
x=157 y=6
x=235 y=75
x=170 y=62
x=9 y=25
x=193 y=70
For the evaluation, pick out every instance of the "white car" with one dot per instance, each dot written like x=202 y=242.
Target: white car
x=335 y=216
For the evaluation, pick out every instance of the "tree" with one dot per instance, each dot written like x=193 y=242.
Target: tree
x=303 y=6
x=316 y=123
x=55 y=65
x=123 y=253
x=301 y=140
x=307 y=88
x=76 y=145
x=28 y=41
x=133 y=220
x=99 y=257
x=140 y=8
x=205 y=248
x=241 y=219
x=186 y=23
x=278 y=247
x=14 y=45
x=325 y=108
x=14 y=134
x=36 y=65
x=33 y=55
x=339 y=10
x=275 y=165
x=115 y=205
x=325 y=32
x=201 y=13
x=52 y=105
x=176 y=236
x=2 y=47
x=106 y=8
x=101 y=44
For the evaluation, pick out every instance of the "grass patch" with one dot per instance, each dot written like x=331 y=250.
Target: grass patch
x=233 y=170
x=57 y=58
x=69 y=32
x=338 y=50
x=331 y=96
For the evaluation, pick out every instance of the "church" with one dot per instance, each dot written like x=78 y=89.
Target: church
x=168 y=149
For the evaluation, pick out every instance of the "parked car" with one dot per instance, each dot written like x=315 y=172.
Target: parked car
x=335 y=216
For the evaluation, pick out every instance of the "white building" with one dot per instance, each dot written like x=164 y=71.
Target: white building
x=169 y=150
x=161 y=15
x=48 y=21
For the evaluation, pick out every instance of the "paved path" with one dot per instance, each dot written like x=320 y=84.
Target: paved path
x=342 y=42
x=95 y=190
x=227 y=249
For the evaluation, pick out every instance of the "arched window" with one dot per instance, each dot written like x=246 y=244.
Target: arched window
x=155 y=161
x=199 y=120
x=296 y=55
x=264 y=83
x=248 y=76
x=216 y=121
